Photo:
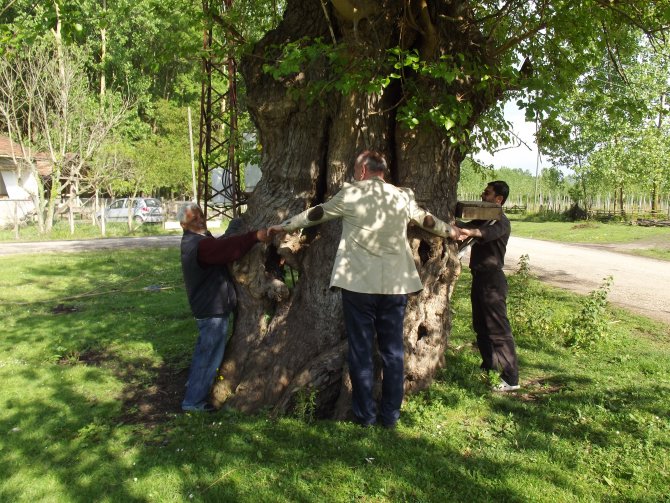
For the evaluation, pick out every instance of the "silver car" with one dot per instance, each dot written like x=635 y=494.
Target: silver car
x=144 y=210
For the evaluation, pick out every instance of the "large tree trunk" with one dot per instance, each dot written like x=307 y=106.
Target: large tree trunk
x=290 y=344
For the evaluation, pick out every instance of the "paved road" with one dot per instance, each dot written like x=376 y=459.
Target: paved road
x=89 y=244
x=640 y=284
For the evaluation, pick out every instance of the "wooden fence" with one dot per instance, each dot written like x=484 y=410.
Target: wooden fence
x=635 y=207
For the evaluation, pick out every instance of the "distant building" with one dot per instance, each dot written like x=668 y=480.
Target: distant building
x=17 y=181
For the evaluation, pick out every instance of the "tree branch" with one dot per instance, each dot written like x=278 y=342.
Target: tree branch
x=229 y=28
x=514 y=41
x=6 y=7
x=632 y=20
x=612 y=55
x=330 y=24
x=429 y=44
x=497 y=15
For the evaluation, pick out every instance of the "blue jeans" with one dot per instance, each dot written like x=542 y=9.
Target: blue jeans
x=207 y=357
x=367 y=315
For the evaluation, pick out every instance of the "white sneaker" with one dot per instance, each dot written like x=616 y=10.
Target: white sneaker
x=504 y=387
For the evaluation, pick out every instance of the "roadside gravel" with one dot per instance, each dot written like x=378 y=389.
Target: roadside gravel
x=640 y=284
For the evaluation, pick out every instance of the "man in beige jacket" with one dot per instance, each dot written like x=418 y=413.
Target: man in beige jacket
x=375 y=270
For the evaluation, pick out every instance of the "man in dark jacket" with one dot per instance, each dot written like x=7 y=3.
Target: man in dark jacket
x=211 y=294
x=489 y=291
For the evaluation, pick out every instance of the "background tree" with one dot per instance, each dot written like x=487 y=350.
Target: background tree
x=47 y=108
x=611 y=129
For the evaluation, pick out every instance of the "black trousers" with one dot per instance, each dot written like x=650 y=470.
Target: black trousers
x=367 y=315
x=490 y=322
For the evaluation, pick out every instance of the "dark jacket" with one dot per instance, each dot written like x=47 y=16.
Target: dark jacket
x=209 y=287
x=488 y=252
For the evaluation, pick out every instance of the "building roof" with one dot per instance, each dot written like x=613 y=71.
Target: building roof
x=41 y=159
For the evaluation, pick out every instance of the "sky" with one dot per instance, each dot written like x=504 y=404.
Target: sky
x=516 y=157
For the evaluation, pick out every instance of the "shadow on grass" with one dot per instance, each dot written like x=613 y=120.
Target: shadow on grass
x=104 y=300
x=152 y=393
x=74 y=434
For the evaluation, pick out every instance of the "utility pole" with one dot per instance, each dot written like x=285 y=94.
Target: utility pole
x=537 y=161
x=190 y=142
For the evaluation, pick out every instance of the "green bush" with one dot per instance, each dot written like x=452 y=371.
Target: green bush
x=535 y=322
x=531 y=315
x=590 y=325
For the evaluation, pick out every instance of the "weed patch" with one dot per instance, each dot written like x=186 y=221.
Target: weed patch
x=590 y=325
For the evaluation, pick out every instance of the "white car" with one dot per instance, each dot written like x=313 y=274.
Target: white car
x=145 y=210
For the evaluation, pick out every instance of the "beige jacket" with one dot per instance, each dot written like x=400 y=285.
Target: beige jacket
x=374 y=255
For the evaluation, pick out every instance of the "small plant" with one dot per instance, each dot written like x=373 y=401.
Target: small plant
x=305 y=405
x=530 y=314
x=524 y=268
x=589 y=326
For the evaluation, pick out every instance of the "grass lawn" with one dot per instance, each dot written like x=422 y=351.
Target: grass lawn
x=88 y=338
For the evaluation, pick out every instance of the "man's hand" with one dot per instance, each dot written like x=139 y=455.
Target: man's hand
x=468 y=233
x=263 y=235
x=275 y=230
x=454 y=233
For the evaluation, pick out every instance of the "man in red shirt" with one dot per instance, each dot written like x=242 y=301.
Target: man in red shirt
x=211 y=295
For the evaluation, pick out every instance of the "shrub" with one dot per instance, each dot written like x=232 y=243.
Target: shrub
x=575 y=213
x=530 y=313
x=589 y=326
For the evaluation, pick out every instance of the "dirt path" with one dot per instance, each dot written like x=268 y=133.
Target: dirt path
x=640 y=284
x=88 y=244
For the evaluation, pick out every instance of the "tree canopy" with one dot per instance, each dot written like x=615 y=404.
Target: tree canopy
x=541 y=54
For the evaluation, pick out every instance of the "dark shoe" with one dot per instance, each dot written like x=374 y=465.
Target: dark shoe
x=389 y=426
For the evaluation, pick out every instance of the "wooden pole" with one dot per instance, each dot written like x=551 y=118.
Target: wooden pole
x=190 y=139
x=16 y=220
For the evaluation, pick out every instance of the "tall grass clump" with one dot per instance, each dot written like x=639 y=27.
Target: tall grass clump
x=590 y=325
x=532 y=316
x=536 y=320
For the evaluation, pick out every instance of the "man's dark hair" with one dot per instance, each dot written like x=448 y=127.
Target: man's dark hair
x=501 y=189
x=373 y=160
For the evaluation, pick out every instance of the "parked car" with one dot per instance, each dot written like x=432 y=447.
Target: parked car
x=145 y=210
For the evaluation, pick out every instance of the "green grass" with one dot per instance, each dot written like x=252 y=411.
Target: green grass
x=83 y=230
x=657 y=253
x=588 y=425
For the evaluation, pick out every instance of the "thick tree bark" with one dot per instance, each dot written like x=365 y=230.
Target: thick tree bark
x=290 y=344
